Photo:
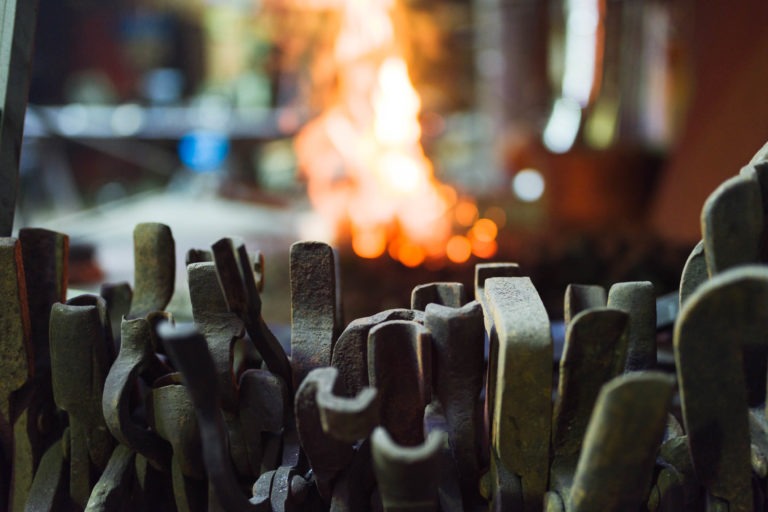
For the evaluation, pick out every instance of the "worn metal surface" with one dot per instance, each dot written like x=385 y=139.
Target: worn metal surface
x=237 y=281
x=327 y=455
x=580 y=297
x=262 y=402
x=47 y=491
x=595 y=352
x=315 y=307
x=79 y=364
x=616 y=464
x=154 y=255
x=189 y=353
x=118 y=297
x=17 y=22
x=483 y=271
x=400 y=367
x=407 y=476
x=732 y=225
x=345 y=419
x=112 y=491
x=220 y=327
x=725 y=316
x=521 y=353
x=694 y=272
x=353 y=489
x=445 y=294
x=136 y=356
x=350 y=352
x=457 y=375
x=174 y=420
x=45 y=254
x=638 y=300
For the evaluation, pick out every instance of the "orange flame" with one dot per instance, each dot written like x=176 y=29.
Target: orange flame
x=362 y=157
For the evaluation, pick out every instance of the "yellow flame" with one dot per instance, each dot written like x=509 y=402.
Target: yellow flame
x=363 y=158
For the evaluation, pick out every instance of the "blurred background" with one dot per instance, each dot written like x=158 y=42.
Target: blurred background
x=419 y=137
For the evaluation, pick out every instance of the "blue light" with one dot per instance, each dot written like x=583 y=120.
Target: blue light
x=203 y=151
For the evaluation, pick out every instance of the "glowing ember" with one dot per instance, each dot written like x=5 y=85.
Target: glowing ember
x=366 y=171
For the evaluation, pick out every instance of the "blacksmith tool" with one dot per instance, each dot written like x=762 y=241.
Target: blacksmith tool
x=521 y=412
x=316 y=313
x=446 y=294
x=724 y=317
x=638 y=300
x=580 y=297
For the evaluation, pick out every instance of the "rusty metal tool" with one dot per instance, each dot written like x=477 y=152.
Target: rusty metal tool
x=457 y=374
x=353 y=490
x=638 y=300
x=400 y=368
x=134 y=361
x=47 y=493
x=79 y=365
x=316 y=313
x=45 y=254
x=18 y=18
x=580 y=297
x=346 y=419
x=721 y=319
x=154 y=254
x=694 y=272
x=350 y=352
x=188 y=351
x=615 y=467
x=262 y=402
x=174 y=420
x=327 y=455
x=112 y=491
x=484 y=271
x=118 y=297
x=220 y=327
x=595 y=352
x=407 y=476
x=237 y=281
x=446 y=294
x=732 y=225
x=521 y=410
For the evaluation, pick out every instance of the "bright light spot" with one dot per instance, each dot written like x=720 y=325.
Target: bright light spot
x=127 y=119
x=581 y=50
x=563 y=125
x=485 y=230
x=528 y=185
x=400 y=173
x=410 y=255
x=369 y=244
x=465 y=213
x=73 y=119
x=484 y=250
x=458 y=249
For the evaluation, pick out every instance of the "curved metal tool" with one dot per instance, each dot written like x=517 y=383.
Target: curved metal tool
x=112 y=491
x=484 y=271
x=137 y=354
x=347 y=419
x=616 y=465
x=638 y=300
x=217 y=324
x=327 y=455
x=79 y=366
x=154 y=254
x=580 y=297
x=407 y=476
x=457 y=373
x=400 y=367
x=521 y=410
x=725 y=316
x=235 y=271
x=595 y=352
x=732 y=224
x=694 y=272
x=263 y=399
x=189 y=353
x=47 y=493
x=446 y=294
x=316 y=314
x=350 y=352
x=173 y=416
